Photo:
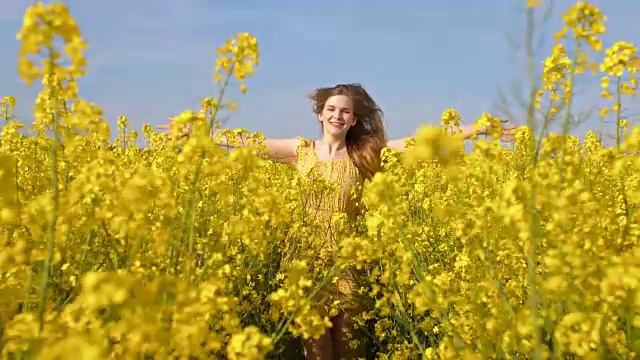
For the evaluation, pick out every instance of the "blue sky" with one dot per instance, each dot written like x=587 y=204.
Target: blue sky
x=153 y=59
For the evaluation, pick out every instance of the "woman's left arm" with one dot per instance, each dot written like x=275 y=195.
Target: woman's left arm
x=468 y=132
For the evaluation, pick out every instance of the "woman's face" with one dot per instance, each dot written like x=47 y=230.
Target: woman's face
x=337 y=115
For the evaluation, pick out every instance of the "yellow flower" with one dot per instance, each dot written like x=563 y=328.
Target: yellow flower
x=533 y=3
x=180 y=248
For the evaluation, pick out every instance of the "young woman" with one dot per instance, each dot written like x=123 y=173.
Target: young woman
x=353 y=135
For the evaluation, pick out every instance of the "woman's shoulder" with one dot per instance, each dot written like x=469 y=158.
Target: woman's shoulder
x=303 y=144
x=304 y=141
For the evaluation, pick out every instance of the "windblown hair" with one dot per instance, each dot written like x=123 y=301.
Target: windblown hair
x=365 y=139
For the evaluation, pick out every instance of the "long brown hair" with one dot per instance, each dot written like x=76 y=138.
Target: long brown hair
x=367 y=137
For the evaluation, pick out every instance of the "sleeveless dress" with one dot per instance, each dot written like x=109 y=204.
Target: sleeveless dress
x=346 y=179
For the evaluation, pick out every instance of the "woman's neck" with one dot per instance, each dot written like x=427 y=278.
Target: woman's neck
x=333 y=146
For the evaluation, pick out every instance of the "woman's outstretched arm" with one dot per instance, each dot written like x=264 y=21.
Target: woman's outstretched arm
x=280 y=150
x=468 y=132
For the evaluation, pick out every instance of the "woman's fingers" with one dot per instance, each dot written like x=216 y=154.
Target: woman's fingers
x=508 y=132
x=166 y=128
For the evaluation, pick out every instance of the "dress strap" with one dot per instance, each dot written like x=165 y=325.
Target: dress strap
x=304 y=148
x=305 y=155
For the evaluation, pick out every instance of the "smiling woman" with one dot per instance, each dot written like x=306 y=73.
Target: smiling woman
x=336 y=119
x=352 y=124
x=353 y=136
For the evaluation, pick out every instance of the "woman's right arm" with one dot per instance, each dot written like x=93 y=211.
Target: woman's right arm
x=280 y=150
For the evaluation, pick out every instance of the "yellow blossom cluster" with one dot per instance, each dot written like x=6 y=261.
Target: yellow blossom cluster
x=183 y=249
x=238 y=56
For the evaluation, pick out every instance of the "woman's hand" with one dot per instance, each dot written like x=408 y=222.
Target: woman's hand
x=508 y=133
x=166 y=128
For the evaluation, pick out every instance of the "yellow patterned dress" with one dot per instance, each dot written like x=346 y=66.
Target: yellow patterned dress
x=322 y=208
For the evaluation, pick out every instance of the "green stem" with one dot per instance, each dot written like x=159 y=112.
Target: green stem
x=192 y=209
x=220 y=97
x=545 y=125
x=402 y=312
x=531 y=257
x=282 y=329
x=54 y=212
x=618 y=111
x=191 y=203
x=567 y=115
